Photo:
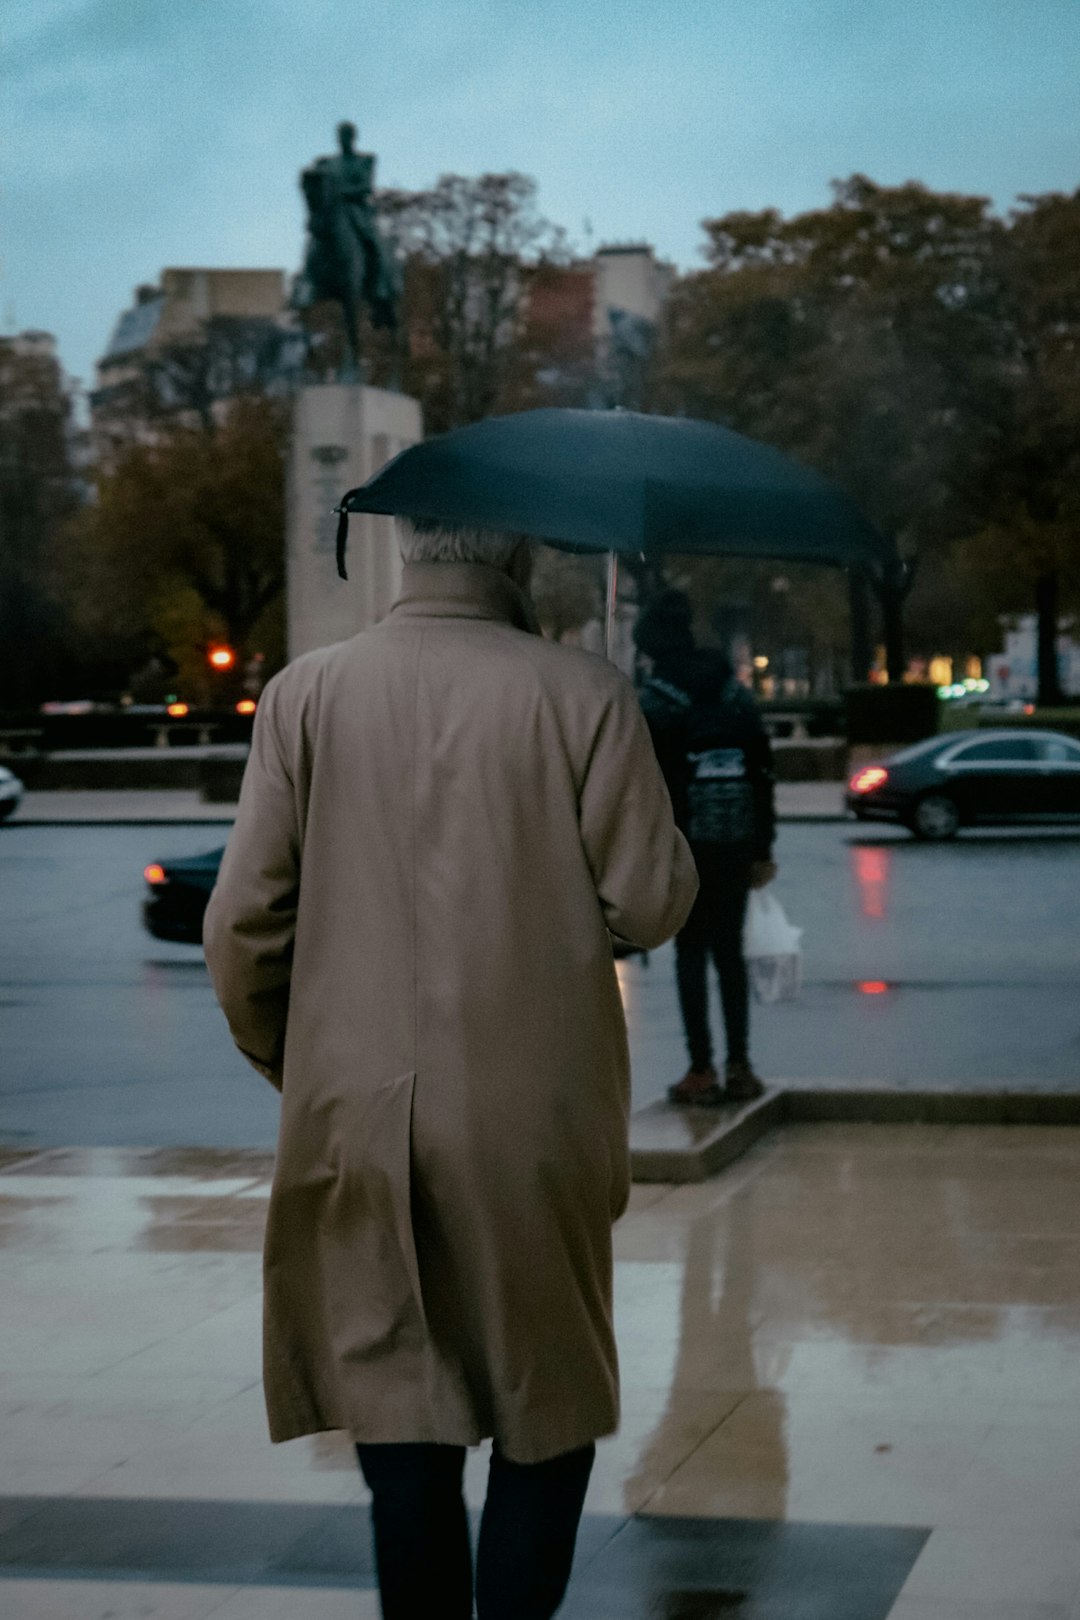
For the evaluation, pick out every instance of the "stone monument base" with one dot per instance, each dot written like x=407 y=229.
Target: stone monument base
x=342 y=434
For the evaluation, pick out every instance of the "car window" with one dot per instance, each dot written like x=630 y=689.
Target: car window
x=1059 y=750
x=929 y=745
x=1003 y=749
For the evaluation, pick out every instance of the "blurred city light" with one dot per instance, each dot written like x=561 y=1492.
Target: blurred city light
x=154 y=873
x=221 y=657
x=246 y=706
x=177 y=710
x=872 y=987
x=964 y=688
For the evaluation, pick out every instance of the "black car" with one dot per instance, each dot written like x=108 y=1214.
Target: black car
x=179 y=891
x=963 y=777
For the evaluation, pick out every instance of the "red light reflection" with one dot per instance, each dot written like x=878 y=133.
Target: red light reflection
x=872 y=987
x=872 y=864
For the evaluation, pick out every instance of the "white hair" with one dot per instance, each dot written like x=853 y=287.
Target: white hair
x=429 y=540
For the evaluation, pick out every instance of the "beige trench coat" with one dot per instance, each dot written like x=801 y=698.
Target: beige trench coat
x=440 y=822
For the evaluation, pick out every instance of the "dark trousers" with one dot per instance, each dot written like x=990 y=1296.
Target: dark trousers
x=715 y=928
x=422 y=1550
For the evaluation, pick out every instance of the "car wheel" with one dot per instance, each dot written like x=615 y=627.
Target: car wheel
x=935 y=817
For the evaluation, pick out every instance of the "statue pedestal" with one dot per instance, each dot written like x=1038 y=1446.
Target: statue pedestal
x=342 y=434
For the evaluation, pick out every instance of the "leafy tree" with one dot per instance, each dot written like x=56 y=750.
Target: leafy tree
x=797 y=614
x=184 y=542
x=864 y=338
x=38 y=491
x=191 y=377
x=1027 y=550
x=469 y=246
x=922 y=353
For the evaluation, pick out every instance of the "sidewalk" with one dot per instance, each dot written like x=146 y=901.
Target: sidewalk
x=851 y=1366
x=145 y=807
x=796 y=801
x=810 y=801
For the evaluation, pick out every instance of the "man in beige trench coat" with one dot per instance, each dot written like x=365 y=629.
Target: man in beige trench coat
x=442 y=823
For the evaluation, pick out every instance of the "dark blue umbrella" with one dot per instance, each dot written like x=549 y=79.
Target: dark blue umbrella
x=619 y=481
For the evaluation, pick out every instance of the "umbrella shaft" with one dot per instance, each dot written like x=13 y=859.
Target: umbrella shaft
x=612 y=593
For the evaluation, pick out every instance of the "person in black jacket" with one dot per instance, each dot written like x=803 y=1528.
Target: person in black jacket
x=716 y=760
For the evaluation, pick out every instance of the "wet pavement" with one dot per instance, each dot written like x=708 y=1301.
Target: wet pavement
x=851 y=1370
x=850 y=1363
x=108 y=1035
x=924 y=965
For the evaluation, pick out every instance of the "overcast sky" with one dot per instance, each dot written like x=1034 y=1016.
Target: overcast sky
x=136 y=134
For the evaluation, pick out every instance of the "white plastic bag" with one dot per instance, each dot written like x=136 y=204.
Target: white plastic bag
x=772 y=949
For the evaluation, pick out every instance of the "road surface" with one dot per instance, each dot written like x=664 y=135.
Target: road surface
x=924 y=964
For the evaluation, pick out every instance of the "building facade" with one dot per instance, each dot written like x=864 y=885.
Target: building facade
x=197 y=335
x=1014 y=673
x=594 y=321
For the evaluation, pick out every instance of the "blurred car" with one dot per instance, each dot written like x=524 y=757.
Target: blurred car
x=179 y=891
x=11 y=792
x=993 y=705
x=995 y=774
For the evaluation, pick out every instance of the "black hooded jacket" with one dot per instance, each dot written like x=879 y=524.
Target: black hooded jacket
x=712 y=749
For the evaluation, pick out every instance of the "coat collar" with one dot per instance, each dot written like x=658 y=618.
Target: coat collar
x=463 y=590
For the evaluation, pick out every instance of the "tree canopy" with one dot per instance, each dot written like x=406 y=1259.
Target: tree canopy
x=39 y=489
x=183 y=543
x=920 y=351
x=912 y=345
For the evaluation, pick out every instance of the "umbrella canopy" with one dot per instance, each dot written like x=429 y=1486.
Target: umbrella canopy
x=622 y=481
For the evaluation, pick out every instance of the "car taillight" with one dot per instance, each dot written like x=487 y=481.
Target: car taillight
x=865 y=781
x=155 y=873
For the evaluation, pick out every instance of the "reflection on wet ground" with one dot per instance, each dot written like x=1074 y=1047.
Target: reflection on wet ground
x=98 y=1163
x=870 y=863
x=856 y=1331
x=110 y=1036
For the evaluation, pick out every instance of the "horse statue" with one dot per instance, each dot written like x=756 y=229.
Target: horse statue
x=346 y=259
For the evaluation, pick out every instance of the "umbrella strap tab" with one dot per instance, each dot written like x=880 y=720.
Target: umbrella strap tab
x=342 y=540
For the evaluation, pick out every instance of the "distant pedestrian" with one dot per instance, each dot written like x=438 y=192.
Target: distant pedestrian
x=440 y=822
x=716 y=759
